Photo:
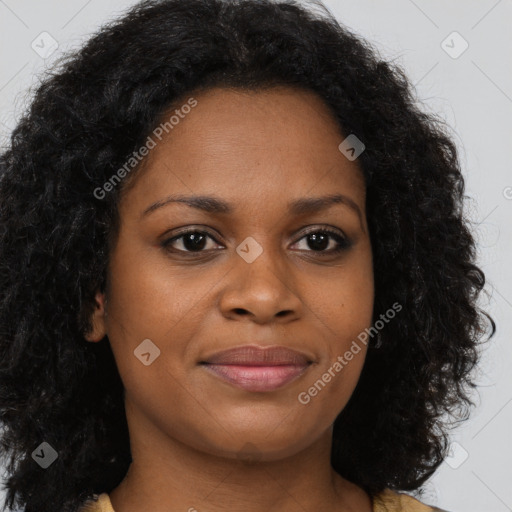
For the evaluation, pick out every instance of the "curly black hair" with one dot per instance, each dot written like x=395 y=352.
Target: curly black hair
x=86 y=119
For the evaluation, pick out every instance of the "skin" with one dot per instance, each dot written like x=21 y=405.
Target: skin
x=197 y=442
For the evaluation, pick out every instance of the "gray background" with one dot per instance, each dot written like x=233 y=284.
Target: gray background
x=471 y=91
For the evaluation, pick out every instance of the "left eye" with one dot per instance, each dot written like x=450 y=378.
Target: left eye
x=319 y=240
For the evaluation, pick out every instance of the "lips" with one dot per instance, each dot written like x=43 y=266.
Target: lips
x=251 y=355
x=257 y=369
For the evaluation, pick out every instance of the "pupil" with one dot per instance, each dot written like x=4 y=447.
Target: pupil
x=319 y=242
x=197 y=241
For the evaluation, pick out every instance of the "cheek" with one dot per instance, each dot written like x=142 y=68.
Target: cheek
x=147 y=326
x=146 y=296
x=343 y=306
x=138 y=306
x=342 y=311
x=148 y=299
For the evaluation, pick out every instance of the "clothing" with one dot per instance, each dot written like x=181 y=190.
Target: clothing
x=390 y=501
x=387 y=501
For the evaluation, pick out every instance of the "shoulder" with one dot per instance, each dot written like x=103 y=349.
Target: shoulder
x=98 y=503
x=386 y=501
x=391 y=501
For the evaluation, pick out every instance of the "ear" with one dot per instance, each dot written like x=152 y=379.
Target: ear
x=98 y=329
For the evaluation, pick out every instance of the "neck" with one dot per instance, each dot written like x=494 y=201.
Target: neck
x=167 y=474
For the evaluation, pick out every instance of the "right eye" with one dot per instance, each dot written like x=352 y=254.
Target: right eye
x=192 y=240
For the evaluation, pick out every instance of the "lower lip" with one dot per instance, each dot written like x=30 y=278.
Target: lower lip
x=256 y=378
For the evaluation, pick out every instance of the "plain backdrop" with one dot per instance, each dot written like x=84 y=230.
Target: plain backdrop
x=458 y=56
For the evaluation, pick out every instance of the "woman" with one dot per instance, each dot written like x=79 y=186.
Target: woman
x=235 y=272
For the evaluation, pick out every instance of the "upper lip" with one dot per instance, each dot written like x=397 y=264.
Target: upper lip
x=259 y=356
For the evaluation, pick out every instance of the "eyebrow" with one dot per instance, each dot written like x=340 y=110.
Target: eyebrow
x=214 y=205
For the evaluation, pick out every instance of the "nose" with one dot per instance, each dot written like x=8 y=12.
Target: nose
x=263 y=291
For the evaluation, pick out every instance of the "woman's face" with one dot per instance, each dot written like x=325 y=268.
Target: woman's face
x=255 y=278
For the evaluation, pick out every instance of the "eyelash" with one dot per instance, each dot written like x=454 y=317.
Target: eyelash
x=343 y=242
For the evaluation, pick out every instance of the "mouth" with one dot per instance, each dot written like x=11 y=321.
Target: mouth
x=257 y=369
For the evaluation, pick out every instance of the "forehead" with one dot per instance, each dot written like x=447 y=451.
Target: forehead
x=249 y=145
